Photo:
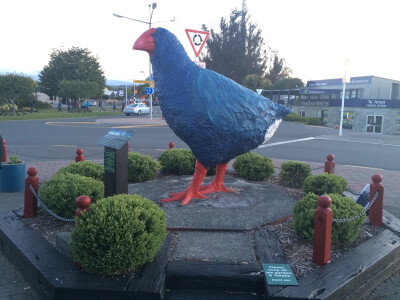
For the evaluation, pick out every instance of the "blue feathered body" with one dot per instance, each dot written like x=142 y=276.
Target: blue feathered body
x=216 y=117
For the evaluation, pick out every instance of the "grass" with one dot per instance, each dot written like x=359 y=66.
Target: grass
x=53 y=114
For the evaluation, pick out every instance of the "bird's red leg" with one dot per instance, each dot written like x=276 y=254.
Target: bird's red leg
x=193 y=190
x=217 y=185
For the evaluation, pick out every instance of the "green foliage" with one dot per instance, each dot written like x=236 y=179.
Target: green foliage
x=72 y=65
x=293 y=117
x=14 y=160
x=325 y=184
x=15 y=87
x=342 y=208
x=313 y=121
x=177 y=161
x=118 y=234
x=60 y=192
x=74 y=89
x=236 y=48
x=141 y=167
x=84 y=168
x=254 y=82
x=293 y=173
x=253 y=166
x=288 y=83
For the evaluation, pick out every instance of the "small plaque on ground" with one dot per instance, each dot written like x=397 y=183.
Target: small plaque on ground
x=116 y=138
x=279 y=274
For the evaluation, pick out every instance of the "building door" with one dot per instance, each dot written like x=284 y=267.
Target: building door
x=374 y=123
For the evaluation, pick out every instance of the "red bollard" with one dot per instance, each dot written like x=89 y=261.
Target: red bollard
x=376 y=210
x=83 y=203
x=322 y=231
x=4 y=157
x=30 y=201
x=79 y=155
x=330 y=164
x=171 y=145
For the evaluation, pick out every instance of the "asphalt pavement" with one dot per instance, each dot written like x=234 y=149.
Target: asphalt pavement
x=14 y=286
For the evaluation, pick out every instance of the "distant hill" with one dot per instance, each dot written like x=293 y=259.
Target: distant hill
x=113 y=82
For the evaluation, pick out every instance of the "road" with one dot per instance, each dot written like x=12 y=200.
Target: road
x=39 y=140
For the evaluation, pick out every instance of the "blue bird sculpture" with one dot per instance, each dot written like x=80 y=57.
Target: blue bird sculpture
x=216 y=117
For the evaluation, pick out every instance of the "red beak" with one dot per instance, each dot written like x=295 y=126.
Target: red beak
x=145 y=42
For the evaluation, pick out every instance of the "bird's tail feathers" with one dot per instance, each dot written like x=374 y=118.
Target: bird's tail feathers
x=271 y=130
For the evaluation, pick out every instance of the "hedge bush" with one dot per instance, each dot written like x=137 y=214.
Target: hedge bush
x=253 y=166
x=325 y=184
x=141 y=167
x=118 y=234
x=293 y=173
x=84 y=168
x=177 y=162
x=60 y=192
x=342 y=208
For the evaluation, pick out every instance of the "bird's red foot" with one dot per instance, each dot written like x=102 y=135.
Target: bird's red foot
x=217 y=185
x=193 y=190
x=214 y=187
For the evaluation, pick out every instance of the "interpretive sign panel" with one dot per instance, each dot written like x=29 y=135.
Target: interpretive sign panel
x=116 y=138
x=279 y=274
x=109 y=160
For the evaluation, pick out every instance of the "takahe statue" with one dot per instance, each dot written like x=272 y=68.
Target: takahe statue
x=216 y=117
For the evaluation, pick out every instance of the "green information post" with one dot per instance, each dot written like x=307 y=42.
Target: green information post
x=116 y=150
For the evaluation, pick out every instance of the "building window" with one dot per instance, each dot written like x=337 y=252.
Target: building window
x=348 y=117
x=302 y=113
x=351 y=94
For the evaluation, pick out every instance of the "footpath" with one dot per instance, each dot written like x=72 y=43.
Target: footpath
x=14 y=286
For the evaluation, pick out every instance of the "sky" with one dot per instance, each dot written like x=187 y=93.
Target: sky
x=315 y=37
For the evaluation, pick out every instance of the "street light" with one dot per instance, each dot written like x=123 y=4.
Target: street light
x=152 y=7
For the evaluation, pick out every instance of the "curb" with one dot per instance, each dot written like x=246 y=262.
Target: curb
x=354 y=274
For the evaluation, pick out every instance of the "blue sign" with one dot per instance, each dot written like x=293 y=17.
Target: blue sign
x=319 y=91
x=149 y=90
x=338 y=81
x=121 y=92
x=364 y=103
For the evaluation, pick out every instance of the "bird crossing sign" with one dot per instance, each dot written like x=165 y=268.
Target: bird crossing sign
x=197 y=39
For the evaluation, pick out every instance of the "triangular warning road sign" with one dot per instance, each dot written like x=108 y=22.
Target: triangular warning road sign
x=197 y=39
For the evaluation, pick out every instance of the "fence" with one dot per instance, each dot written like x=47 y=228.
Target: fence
x=323 y=219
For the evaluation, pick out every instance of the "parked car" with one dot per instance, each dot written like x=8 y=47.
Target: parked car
x=92 y=103
x=136 y=109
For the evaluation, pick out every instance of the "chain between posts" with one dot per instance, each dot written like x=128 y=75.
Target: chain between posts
x=47 y=209
x=369 y=204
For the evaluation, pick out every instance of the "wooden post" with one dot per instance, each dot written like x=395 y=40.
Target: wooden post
x=83 y=203
x=322 y=231
x=171 y=145
x=4 y=157
x=79 y=155
x=376 y=210
x=30 y=201
x=330 y=164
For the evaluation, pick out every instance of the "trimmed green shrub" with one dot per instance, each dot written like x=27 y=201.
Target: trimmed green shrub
x=293 y=173
x=293 y=117
x=313 y=121
x=177 y=161
x=253 y=166
x=60 y=192
x=141 y=167
x=118 y=234
x=342 y=208
x=84 y=168
x=325 y=184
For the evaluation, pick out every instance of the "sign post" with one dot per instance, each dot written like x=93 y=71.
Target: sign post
x=116 y=150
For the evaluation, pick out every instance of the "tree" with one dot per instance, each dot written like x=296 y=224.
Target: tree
x=288 y=83
x=76 y=89
x=277 y=69
x=73 y=65
x=237 y=50
x=254 y=82
x=14 y=87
